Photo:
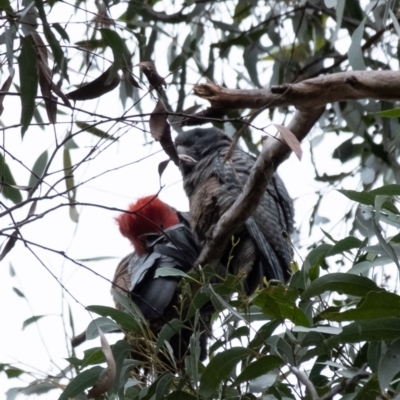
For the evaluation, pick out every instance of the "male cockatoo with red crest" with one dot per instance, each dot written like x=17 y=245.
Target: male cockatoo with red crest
x=161 y=237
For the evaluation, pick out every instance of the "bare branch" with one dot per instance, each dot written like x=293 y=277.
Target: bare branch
x=303 y=378
x=311 y=93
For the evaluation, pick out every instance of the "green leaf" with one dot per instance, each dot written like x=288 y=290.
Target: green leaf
x=122 y=318
x=259 y=367
x=28 y=76
x=13 y=372
x=179 y=395
x=364 y=266
x=356 y=58
x=54 y=43
x=5 y=6
x=375 y=330
x=280 y=302
x=368 y=198
x=370 y=391
x=170 y=329
x=389 y=365
x=92 y=44
x=61 y=31
x=18 y=292
x=118 y=48
x=125 y=301
x=98 y=87
x=120 y=350
x=38 y=168
x=375 y=305
x=223 y=302
x=315 y=259
x=6 y=177
x=387 y=190
x=84 y=380
x=31 y=320
x=342 y=283
x=343 y=245
x=70 y=184
x=166 y=271
x=96 y=259
x=92 y=356
x=242 y=11
x=104 y=323
x=264 y=333
x=219 y=368
x=94 y=131
x=392 y=113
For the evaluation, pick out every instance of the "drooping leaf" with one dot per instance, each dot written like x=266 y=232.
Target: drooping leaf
x=5 y=6
x=166 y=271
x=119 y=50
x=161 y=131
x=387 y=190
x=13 y=372
x=61 y=31
x=280 y=302
x=258 y=368
x=341 y=283
x=84 y=380
x=370 y=391
x=316 y=258
x=162 y=167
x=18 y=292
x=121 y=351
x=219 y=368
x=28 y=76
x=172 y=328
x=356 y=58
x=103 y=323
x=38 y=168
x=60 y=60
x=375 y=305
x=4 y=89
x=290 y=139
x=45 y=78
x=122 y=318
x=70 y=184
x=92 y=356
x=10 y=243
x=389 y=365
x=149 y=69
x=387 y=247
x=98 y=87
x=95 y=131
x=107 y=378
x=7 y=183
x=368 y=198
x=31 y=320
x=343 y=245
x=368 y=330
x=392 y=113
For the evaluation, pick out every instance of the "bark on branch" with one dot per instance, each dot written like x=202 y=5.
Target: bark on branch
x=311 y=93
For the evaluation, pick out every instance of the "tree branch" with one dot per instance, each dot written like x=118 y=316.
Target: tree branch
x=311 y=93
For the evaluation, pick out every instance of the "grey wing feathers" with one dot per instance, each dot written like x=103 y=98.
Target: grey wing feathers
x=273 y=215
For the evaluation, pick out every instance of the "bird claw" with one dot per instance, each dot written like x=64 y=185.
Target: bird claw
x=186 y=158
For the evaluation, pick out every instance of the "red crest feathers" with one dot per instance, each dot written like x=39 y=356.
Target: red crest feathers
x=152 y=216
